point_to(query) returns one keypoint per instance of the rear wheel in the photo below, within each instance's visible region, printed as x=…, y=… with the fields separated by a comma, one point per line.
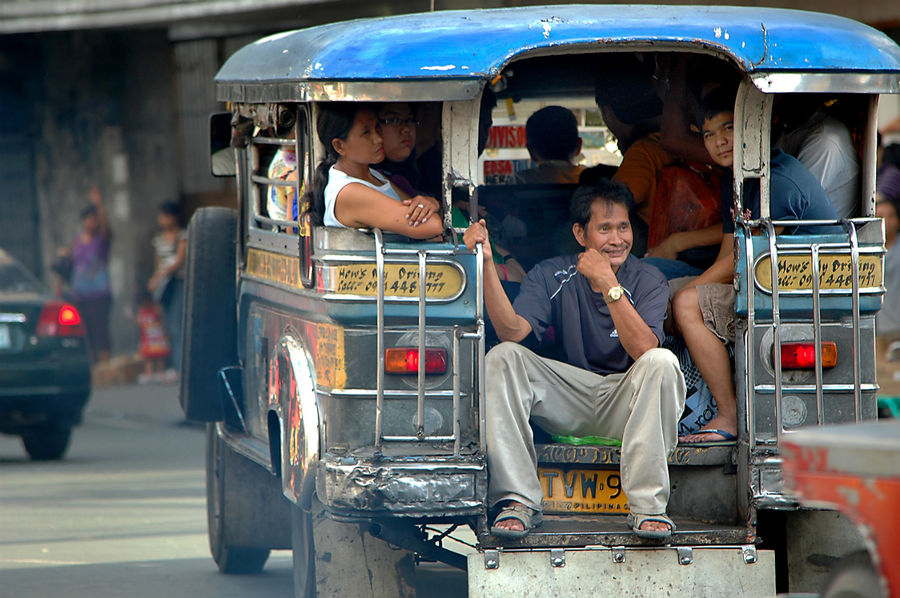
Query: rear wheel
x=854, y=577
x=47, y=443
x=228, y=557
x=304, y=549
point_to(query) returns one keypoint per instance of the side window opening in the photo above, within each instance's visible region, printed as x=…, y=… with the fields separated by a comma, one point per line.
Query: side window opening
x=279, y=157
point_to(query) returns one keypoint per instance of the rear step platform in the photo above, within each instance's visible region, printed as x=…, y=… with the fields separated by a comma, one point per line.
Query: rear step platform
x=564, y=531
x=700, y=476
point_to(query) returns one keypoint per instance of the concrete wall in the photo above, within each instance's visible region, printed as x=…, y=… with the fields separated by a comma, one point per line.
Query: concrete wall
x=99, y=108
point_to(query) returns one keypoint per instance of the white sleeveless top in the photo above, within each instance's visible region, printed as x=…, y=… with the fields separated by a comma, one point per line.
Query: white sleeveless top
x=338, y=179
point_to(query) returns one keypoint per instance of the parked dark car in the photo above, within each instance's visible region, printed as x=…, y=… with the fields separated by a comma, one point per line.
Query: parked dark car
x=45, y=371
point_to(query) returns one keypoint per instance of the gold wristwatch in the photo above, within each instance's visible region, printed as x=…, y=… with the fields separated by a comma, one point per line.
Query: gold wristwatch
x=614, y=294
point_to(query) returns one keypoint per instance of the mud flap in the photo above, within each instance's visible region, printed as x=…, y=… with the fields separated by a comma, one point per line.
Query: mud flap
x=626, y=573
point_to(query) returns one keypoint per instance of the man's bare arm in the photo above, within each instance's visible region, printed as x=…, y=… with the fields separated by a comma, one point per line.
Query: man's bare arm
x=509, y=325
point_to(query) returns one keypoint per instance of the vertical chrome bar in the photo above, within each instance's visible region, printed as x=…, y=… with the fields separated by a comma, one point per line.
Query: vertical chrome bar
x=456, y=407
x=420, y=398
x=479, y=316
x=776, y=324
x=379, y=320
x=817, y=333
x=749, y=382
x=857, y=342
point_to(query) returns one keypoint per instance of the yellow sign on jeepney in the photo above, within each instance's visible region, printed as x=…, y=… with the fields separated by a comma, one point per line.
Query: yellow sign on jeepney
x=835, y=272
x=283, y=269
x=443, y=280
x=582, y=490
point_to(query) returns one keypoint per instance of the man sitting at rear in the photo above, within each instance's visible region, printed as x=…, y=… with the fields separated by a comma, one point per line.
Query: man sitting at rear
x=607, y=310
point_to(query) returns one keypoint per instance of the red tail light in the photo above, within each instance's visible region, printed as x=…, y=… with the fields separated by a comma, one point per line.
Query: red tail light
x=405, y=360
x=60, y=319
x=802, y=355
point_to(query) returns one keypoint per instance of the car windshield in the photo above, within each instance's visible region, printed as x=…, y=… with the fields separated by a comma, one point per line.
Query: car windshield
x=15, y=279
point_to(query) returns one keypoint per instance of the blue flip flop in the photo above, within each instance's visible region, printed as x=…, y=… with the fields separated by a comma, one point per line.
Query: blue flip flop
x=727, y=439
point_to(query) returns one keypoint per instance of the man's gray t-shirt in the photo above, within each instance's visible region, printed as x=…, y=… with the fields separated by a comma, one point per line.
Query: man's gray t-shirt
x=555, y=294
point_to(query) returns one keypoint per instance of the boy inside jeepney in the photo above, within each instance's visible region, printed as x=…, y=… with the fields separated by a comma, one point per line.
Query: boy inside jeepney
x=704, y=308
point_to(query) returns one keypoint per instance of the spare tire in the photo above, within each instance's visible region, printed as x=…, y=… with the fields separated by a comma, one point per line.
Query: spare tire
x=209, y=337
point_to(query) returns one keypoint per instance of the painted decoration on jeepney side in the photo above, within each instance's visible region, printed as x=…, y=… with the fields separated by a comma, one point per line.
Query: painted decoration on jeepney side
x=327, y=341
x=835, y=272
x=443, y=280
x=283, y=269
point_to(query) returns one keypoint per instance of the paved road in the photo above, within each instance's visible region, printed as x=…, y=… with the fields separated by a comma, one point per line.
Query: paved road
x=124, y=514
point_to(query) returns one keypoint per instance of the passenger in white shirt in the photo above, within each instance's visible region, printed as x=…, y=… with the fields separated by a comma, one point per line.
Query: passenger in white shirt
x=347, y=192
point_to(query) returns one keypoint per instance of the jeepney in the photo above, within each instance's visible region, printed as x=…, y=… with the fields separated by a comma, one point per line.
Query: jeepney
x=341, y=371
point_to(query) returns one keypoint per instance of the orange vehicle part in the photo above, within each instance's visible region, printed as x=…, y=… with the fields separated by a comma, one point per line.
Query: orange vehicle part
x=854, y=469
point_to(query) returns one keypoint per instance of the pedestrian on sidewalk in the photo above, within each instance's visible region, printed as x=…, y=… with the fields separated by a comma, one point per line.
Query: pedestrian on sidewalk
x=167, y=282
x=88, y=281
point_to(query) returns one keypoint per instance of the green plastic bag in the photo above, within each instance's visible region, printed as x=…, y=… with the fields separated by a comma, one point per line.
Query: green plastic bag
x=587, y=440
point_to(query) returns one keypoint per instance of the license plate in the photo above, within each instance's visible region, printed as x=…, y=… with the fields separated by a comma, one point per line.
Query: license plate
x=5, y=338
x=582, y=491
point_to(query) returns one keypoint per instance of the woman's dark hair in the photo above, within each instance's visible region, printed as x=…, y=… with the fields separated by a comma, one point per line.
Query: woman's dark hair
x=603, y=190
x=171, y=208
x=334, y=122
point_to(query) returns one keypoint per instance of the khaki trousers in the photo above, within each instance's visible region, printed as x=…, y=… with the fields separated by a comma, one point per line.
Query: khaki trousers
x=640, y=406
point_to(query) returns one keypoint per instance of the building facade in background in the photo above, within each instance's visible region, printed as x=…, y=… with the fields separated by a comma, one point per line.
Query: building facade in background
x=119, y=93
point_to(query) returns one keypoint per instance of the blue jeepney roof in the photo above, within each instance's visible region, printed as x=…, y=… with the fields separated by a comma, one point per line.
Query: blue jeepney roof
x=477, y=44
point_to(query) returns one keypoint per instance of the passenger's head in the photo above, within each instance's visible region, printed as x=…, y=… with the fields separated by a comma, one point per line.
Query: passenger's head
x=169, y=215
x=717, y=126
x=623, y=90
x=90, y=222
x=398, y=130
x=600, y=215
x=349, y=131
x=551, y=133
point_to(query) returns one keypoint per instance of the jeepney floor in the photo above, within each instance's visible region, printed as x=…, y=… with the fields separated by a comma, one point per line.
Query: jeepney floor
x=613, y=530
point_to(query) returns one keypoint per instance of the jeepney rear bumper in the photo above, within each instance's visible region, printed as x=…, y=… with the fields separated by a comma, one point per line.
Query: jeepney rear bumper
x=435, y=488
x=633, y=572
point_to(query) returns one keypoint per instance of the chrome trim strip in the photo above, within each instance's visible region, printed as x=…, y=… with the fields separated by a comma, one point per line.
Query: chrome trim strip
x=379, y=321
x=850, y=227
x=420, y=381
x=479, y=316
x=817, y=332
x=811, y=388
x=368, y=393
x=349, y=91
x=456, y=393
x=417, y=438
x=776, y=324
x=875, y=82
